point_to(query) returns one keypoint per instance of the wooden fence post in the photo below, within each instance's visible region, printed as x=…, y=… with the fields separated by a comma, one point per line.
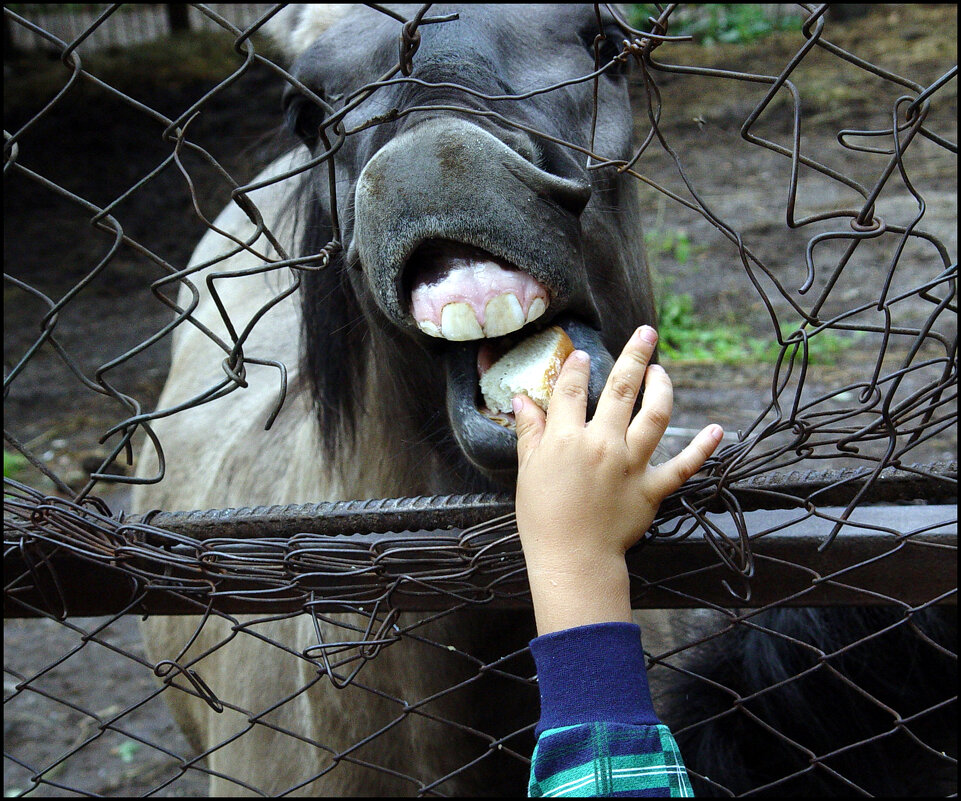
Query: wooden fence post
x=178, y=17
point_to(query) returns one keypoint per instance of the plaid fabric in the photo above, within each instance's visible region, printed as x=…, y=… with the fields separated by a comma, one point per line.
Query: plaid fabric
x=608, y=759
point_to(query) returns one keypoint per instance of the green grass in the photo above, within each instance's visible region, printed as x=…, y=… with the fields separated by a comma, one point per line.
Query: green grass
x=127, y=751
x=685, y=337
x=676, y=244
x=709, y=23
x=14, y=464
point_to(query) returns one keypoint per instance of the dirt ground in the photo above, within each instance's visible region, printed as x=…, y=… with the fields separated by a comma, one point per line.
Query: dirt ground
x=98, y=147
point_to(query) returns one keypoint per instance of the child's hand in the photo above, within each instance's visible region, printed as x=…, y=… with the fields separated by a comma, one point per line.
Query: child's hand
x=585, y=491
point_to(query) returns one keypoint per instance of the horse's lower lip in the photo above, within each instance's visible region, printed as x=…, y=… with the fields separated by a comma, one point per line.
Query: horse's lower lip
x=492, y=448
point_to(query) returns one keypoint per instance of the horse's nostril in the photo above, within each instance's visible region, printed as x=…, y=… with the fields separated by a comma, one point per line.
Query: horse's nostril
x=573, y=196
x=572, y=188
x=569, y=194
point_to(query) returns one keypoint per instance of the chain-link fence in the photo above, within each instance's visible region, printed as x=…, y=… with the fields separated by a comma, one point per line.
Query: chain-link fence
x=799, y=198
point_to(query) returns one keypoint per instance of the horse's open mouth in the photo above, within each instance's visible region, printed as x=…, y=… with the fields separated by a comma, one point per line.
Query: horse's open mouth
x=482, y=306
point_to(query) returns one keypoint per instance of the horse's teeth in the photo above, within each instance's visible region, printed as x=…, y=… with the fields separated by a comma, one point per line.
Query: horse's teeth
x=503, y=315
x=458, y=322
x=537, y=308
x=429, y=328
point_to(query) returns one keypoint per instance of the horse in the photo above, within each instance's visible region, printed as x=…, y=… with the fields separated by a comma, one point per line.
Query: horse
x=458, y=170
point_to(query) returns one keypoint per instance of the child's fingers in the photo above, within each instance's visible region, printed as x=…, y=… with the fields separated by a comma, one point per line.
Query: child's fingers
x=530, y=426
x=616, y=404
x=647, y=428
x=568, y=407
x=673, y=473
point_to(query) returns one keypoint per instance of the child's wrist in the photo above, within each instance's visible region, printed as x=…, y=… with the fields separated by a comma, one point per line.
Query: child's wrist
x=580, y=593
x=588, y=562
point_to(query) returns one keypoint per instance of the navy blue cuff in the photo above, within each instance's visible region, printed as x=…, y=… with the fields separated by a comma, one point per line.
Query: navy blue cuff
x=592, y=673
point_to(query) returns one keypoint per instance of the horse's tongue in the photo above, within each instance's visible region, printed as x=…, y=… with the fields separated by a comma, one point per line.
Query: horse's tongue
x=462, y=294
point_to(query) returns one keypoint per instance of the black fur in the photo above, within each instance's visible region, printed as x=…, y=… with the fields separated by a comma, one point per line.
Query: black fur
x=334, y=333
x=820, y=711
x=336, y=329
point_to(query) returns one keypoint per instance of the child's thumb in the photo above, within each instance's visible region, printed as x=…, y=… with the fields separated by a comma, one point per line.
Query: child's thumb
x=530, y=420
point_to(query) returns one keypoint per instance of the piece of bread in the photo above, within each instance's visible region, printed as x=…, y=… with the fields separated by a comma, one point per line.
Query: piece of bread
x=530, y=368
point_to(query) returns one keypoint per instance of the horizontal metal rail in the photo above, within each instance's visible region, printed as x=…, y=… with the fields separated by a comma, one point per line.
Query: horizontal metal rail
x=932, y=483
x=63, y=561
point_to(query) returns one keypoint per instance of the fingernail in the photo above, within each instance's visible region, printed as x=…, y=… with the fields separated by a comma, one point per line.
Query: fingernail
x=716, y=433
x=517, y=403
x=648, y=334
x=581, y=356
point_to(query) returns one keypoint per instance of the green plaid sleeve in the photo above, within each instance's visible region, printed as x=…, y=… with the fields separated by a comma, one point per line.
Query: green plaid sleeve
x=608, y=759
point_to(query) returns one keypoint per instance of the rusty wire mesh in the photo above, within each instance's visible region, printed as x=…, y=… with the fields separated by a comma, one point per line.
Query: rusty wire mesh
x=861, y=210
